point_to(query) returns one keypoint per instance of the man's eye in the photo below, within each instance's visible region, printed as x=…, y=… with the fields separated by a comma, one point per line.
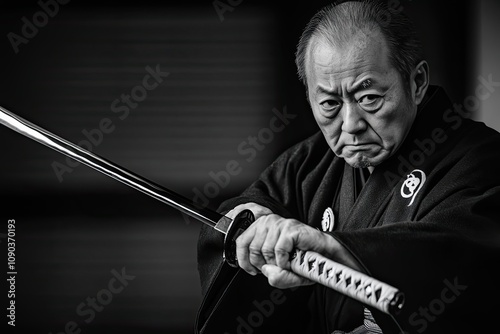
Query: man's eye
x=330, y=105
x=370, y=102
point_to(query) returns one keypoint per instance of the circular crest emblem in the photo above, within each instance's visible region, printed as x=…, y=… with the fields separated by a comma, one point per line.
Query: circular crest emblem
x=328, y=220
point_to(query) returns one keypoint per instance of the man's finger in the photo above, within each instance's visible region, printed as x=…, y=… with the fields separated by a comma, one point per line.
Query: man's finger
x=268, y=246
x=283, y=279
x=255, y=248
x=284, y=246
x=242, y=251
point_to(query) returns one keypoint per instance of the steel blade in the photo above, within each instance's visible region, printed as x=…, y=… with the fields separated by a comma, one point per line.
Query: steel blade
x=167, y=196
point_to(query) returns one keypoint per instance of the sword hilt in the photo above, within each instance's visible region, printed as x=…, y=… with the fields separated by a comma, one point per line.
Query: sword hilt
x=348, y=281
x=324, y=271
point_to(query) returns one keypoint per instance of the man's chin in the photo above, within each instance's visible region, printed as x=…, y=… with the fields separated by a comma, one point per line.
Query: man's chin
x=358, y=163
x=359, y=160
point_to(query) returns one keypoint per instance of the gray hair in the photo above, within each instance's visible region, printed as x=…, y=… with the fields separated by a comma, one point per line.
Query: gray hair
x=337, y=22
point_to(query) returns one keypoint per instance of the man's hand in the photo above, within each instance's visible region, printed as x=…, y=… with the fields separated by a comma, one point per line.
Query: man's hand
x=258, y=210
x=267, y=244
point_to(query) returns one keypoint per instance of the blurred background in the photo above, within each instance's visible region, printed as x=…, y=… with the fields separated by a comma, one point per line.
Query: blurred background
x=231, y=69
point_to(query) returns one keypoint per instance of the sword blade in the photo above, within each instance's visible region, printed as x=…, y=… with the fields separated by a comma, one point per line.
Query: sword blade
x=167, y=196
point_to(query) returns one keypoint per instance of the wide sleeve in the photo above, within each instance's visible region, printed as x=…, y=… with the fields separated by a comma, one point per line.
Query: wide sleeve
x=277, y=188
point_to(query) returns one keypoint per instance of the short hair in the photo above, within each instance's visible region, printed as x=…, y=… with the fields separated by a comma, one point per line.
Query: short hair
x=338, y=21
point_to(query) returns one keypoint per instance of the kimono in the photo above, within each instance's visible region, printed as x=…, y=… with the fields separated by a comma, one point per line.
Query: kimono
x=427, y=221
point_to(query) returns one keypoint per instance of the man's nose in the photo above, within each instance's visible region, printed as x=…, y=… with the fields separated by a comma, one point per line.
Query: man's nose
x=352, y=119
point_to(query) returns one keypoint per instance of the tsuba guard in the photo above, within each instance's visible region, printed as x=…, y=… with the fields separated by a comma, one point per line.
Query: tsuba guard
x=240, y=223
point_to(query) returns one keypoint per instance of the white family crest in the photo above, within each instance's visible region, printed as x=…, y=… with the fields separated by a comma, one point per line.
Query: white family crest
x=412, y=185
x=328, y=220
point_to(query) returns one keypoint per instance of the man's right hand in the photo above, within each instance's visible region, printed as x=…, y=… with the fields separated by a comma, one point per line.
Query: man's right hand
x=257, y=209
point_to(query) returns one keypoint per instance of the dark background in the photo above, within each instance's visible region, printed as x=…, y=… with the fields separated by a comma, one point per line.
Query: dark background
x=225, y=79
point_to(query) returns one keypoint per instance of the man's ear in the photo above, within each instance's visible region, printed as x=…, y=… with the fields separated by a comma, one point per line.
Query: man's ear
x=419, y=81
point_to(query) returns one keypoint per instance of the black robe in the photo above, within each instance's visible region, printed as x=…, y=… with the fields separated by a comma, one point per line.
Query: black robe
x=438, y=241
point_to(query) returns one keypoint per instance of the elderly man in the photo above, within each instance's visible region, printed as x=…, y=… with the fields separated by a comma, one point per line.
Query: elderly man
x=396, y=184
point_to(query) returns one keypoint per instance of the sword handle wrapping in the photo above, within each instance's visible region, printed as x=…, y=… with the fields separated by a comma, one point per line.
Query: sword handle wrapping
x=324, y=271
x=347, y=281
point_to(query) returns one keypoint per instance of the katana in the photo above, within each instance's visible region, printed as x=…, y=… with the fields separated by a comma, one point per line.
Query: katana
x=311, y=265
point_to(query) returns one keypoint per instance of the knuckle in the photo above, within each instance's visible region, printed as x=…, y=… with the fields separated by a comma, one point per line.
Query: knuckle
x=267, y=251
x=254, y=251
x=263, y=220
x=281, y=251
x=256, y=260
x=285, y=224
x=281, y=259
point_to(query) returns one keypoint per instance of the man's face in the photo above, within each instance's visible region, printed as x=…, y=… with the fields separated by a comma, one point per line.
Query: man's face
x=358, y=98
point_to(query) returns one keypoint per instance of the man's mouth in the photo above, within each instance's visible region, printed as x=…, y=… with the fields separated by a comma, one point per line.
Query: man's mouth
x=360, y=147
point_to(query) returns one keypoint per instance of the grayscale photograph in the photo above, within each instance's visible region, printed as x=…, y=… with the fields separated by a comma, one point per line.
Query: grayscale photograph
x=250, y=167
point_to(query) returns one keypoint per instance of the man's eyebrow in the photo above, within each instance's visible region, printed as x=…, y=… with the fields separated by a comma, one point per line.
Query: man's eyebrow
x=365, y=84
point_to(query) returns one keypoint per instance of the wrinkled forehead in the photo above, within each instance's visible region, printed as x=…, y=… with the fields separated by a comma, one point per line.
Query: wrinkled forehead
x=362, y=51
